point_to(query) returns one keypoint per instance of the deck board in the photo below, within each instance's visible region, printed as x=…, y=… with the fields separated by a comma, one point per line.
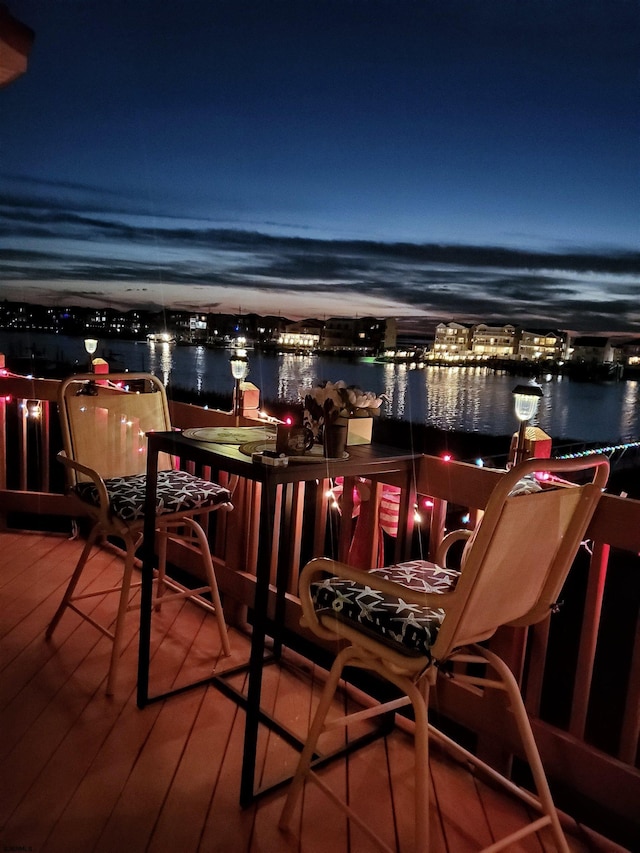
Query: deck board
x=85, y=772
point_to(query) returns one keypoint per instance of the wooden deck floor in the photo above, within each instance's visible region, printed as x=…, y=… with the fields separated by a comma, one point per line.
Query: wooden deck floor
x=82, y=772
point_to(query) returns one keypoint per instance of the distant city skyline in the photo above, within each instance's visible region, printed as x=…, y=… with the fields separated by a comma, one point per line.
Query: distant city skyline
x=83, y=320
x=469, y=160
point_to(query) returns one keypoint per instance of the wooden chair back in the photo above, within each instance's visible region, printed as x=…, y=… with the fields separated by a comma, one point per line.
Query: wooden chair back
x=516, y=564
x=104, y=422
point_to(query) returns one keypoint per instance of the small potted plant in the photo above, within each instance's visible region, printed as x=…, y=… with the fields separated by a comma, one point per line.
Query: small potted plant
x=336, y=402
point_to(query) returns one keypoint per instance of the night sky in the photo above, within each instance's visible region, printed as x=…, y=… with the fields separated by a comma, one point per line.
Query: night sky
x=444, y=159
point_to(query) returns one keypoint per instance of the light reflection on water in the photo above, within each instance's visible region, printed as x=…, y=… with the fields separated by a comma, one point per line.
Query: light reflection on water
x=472, y=399
x=161, y=361
x=295, y=372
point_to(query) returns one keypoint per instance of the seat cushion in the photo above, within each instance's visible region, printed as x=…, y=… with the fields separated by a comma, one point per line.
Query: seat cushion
x=178, y=491
x=411, y=628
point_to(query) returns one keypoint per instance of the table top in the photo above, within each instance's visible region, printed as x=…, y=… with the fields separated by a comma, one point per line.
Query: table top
x=363, y=459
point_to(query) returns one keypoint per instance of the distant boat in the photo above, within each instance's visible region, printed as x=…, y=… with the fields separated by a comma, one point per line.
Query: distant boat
x=161, y=338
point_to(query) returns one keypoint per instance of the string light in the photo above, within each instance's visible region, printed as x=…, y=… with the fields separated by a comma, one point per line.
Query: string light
x=580, y=454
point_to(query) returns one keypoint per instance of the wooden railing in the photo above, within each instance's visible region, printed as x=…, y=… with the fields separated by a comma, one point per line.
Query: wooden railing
x=580, y=671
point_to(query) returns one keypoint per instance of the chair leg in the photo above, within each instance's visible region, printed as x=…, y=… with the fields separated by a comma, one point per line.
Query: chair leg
x=213, y=583
x=523, y=723
x=123, y=604
x=419, y=698
x=75, y=577
x=304, y=762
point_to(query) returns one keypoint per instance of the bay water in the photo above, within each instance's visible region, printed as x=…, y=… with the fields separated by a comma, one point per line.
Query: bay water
x=451, y=398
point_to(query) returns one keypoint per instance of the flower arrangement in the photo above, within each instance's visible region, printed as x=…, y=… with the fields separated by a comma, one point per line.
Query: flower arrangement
x=329, y=401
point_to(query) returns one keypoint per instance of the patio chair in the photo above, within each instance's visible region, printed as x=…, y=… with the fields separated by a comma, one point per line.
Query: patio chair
x=412, y=621
x=104, y=430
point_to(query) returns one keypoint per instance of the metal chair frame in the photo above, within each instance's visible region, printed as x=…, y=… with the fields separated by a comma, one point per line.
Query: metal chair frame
x=512, y=574
x=103, y=404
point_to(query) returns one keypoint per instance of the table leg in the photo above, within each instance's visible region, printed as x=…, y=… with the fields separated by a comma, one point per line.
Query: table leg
x=146, y=592
x=256, y=658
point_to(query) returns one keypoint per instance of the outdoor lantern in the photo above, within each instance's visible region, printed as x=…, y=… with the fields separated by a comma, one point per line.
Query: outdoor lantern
x=526, y=399
x=91, y=345
x=239, y=370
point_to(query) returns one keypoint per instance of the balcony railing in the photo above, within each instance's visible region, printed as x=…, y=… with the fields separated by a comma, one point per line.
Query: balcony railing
x=580, y=671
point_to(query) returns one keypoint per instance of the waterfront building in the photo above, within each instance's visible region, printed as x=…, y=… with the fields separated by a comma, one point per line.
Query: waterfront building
x=263, y=330
x=537, y=345
x=629, y=352
x=198, y=328
x=363, y=335
x=303, y=336
x=592, y=349
x=495, y=341
x=452, y=341
x=178, y=323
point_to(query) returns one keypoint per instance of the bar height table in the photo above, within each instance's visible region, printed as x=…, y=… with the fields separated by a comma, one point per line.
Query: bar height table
x=367, y=460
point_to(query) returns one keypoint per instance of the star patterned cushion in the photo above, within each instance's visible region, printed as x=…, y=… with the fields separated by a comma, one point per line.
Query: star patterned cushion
x=178, y=491
x=410, y=627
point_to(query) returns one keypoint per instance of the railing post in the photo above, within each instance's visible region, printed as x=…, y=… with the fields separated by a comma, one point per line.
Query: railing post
x=631, y=722
x=22, y=444
x=45, y=467
x=589, y=638
x=437, y=526
x=3, y=449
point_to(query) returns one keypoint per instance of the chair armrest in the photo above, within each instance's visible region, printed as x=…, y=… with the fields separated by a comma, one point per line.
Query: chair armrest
x=93, y=475
x=449, y=540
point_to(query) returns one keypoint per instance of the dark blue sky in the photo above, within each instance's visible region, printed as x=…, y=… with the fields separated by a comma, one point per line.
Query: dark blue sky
x=444, y=158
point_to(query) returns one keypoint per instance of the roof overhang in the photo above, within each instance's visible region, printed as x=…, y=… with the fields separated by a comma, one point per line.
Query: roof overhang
x=15, y=43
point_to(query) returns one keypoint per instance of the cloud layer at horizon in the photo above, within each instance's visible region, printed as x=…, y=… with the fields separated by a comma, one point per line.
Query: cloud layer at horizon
x=54, y=255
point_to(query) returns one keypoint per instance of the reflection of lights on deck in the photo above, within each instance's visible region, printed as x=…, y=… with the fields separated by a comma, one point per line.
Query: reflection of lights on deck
x=32, y=408
x=271, y=419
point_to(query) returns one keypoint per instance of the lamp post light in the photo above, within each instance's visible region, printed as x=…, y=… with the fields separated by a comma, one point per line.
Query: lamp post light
x=91, y=345
x=526, y=399
x=239, y=370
